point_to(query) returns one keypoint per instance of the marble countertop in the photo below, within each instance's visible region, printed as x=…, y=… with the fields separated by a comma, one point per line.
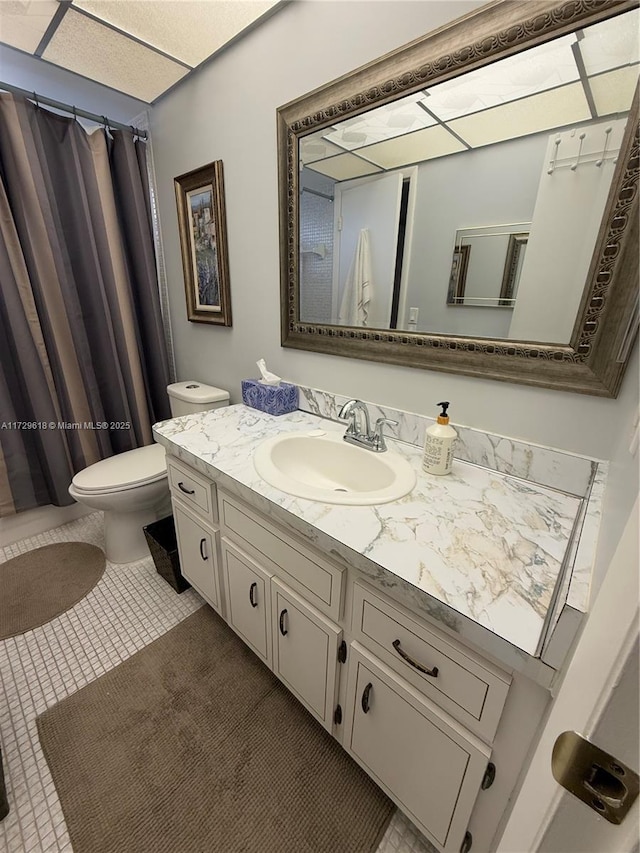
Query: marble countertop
x=477, y=543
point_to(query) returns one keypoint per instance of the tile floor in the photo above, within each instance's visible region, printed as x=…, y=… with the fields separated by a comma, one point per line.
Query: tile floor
x=130, y=607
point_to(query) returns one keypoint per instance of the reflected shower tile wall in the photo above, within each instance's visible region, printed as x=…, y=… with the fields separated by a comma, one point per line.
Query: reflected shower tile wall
x=557, y=469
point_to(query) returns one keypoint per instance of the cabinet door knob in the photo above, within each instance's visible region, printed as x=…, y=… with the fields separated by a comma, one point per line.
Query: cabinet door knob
x=365, y=697
x=184, y=489
x=203, y=542
x=252, y=591
x=283, y=630
x=414, y=663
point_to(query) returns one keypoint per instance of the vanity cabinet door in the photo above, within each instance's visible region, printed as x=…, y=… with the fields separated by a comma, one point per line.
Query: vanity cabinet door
x=198, y=547
x=431, y=767
x=305, y=652
x=248, y=597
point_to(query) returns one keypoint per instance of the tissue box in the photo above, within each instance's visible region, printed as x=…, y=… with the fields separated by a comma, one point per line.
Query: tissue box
x=272, y=399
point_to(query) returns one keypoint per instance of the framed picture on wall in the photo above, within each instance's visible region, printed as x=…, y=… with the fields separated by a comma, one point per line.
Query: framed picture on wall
x=203, y=241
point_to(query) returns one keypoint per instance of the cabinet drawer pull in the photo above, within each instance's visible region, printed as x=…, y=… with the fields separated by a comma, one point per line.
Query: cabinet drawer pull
x=184, y=489
x=432, y=672
x=365, y=697
x=203, y=542
x=252, y=590
x=283, y=630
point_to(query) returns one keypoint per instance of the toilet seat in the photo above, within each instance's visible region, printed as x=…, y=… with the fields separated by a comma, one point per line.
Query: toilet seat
x=127, y=470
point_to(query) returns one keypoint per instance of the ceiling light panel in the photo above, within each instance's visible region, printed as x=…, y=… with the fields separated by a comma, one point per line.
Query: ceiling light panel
x=188, y=30
x=611, y=43
x=385, y=122
x=315, y=147
x=546, y=111
x=83, y=45
x=541, y=68
x=344, y=166
x=23, y=23
x=413, y=148
x=613, y=92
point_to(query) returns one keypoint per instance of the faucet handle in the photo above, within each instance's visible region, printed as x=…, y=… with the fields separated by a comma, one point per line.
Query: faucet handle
x=378, y=433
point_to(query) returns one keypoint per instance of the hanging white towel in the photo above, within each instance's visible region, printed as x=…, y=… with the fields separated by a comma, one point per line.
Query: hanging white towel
x=354, y=308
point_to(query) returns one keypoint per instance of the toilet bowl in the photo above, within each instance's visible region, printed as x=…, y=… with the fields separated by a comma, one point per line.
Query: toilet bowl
x=131, y=488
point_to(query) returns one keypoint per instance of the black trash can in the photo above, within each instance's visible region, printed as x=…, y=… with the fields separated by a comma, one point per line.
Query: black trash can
x=162, y=542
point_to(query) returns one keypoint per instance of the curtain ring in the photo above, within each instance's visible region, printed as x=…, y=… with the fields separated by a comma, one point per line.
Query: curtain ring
x=75, y=116
x=35, y=98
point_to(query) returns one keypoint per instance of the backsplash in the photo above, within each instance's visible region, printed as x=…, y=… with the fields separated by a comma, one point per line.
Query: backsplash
x=543, y=465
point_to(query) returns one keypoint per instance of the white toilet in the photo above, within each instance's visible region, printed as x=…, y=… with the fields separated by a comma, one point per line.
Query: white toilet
x=131, y=488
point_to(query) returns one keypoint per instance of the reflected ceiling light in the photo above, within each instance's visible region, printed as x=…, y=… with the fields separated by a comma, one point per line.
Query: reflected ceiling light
x=345, y=166
x=545, y=111
x=612, y=43
x=414, y=147
x=385, y=122
x=544, y=67
x=613, y=92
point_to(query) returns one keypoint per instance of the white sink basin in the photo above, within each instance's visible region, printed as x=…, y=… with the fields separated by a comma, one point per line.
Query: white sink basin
x=321, y=466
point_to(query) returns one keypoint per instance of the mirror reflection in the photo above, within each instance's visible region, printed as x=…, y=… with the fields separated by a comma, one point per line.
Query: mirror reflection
x=486, y=266
x=403, y=208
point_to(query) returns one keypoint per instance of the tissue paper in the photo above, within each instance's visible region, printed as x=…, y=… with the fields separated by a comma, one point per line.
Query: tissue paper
x=268, y=378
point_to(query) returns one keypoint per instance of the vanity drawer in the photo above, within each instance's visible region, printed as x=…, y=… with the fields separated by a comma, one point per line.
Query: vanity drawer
x=318, y=580
x=193, y=488
x=471, y=689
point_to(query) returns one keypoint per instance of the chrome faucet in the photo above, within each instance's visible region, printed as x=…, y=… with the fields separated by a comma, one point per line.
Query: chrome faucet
x=359, y=430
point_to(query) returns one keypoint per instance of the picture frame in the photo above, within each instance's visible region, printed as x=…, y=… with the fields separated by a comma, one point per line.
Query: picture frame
x=203, y=244
x=458, y=276
x=513, y=267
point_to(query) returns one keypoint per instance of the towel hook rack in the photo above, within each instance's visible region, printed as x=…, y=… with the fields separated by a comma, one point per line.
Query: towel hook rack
x=607, y=137
x=577, y=163
x=552, y=163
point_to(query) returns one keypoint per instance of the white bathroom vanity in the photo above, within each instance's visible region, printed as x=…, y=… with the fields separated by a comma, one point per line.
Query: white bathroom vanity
x=424, y=633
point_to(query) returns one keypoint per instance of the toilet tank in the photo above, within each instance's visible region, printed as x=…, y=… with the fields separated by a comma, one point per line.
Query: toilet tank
x=186, y=398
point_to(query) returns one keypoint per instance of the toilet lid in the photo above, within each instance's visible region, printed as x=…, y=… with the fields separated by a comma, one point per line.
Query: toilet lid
x=124, y=470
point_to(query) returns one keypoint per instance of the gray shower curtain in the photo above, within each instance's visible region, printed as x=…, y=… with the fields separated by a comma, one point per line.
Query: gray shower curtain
x=83, y=364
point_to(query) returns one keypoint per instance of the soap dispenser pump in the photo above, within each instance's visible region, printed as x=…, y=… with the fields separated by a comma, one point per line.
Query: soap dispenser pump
x=438, y=445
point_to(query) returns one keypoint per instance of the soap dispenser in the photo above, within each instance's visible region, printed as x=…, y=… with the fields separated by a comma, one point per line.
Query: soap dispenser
x=438, y=445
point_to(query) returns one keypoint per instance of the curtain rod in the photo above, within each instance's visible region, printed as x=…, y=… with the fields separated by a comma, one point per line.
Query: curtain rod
x=76, y=111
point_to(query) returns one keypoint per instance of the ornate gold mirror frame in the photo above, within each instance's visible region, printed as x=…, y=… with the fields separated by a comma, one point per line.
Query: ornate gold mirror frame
x=596, y=357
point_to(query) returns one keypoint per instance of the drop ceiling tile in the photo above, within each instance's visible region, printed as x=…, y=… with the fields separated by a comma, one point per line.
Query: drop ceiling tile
x=23, y=23
x=344, y=166
x=413, y=148
x=545, y=111
x=613, y=92
x=82, y=45
x=189, y=30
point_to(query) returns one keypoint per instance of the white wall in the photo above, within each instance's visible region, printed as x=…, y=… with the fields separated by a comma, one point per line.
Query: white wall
x=566, y=223
x=496, y=185
x=228, y=111
x=26, y=72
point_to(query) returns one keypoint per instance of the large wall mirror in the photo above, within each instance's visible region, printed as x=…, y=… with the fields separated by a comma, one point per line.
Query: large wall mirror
x=469, y=203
